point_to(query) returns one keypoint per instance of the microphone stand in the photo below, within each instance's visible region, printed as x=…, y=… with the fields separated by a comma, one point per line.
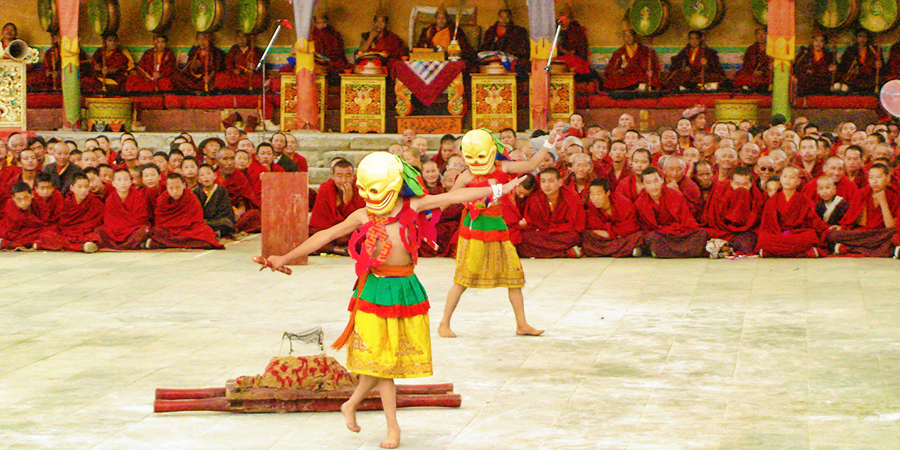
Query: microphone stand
x=553, y=47
x=262, y=63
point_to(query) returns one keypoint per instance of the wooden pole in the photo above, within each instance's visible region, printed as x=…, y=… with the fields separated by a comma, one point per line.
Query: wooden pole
x=70, y=62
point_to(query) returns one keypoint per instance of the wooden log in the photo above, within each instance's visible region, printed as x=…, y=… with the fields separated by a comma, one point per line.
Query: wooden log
x=206, y=404
x=305, y=405
x=345, y=393
x=187, y=394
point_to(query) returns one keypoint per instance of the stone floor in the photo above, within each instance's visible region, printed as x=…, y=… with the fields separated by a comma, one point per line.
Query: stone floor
x=638, y=354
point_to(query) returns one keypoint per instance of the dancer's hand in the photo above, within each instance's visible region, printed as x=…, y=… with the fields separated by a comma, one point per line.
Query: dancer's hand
x=277, y=262
x=511, y=185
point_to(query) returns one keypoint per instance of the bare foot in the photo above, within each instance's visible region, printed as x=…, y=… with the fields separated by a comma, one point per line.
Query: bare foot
x=350, y=417
x=528, y=330
x=445, y=331
x=393, y=439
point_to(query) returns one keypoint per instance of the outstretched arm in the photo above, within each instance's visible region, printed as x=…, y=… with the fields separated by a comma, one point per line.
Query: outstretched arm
x=460, y=196
x=316, y=241
x=531, y=164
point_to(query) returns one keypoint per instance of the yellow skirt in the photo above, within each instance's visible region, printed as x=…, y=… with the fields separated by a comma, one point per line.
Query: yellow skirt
x=486, y=265
x=393, y=347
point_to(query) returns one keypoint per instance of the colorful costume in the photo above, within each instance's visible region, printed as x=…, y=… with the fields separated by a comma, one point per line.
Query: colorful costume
x=389, y=334
x=485, y=257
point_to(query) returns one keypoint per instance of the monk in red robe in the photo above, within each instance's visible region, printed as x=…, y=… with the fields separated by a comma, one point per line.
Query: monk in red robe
x=514, y=208
x=205, y=61
x=620, y=166
x=21, y=225
x=126, y=218
x=806, y=161
x=506, y=37
x=381, y=43
x=675, y=171
x=240, y=66
x=581, y=176
x=8, y=173
x=573, y=44
x=612, y=227
x=82, y=214
x=329, y=43
x=49, y=77
x=179, y=219
x=815, y=67
x=733, y=213
x=859, y=64
x=110, y=67
x=670, y=230
x=833, y=168
x=869, y=225
x=243, y=198
x=695, y=67
x=631, y=187
x=155, y=70
x=632, y=66
x=756, y=70
x=790, y=226
x=555, y=220
x=442, y=32
x=48, y=199
x=337, y=199
x=264, y=162
x=853, y=166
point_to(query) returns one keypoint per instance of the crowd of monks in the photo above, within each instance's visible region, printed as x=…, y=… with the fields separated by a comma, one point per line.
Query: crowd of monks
x=725, y=190
x=633, y=66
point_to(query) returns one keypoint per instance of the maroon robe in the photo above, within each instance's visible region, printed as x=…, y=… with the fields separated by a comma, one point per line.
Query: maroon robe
x=513, y=213
x=846, y=189
x=388, y=44
x=733, y=215
x=512, y=40
x=255, y=171
x=327, y=213
x=627, y=72
x=686, y=68
x=330, y=44
x=811, y=71
x=20, y=228
x=861, y=180
x=602, y=168
x=691, y=193
x=466, y=51
x=126, y=224
x=857, y=69
x=756, y=70
x=627, y=187
x=200, y=63
x=790, y=228
x=574, y=48
x=42, y=80
x=180, y=224
x=549, y=234
x=244, y=62
x=117, y=65
x=50, y=208
x=78, y=222
x=8, y=176
x=622, y=225
x=891, y=71
x=241, y=194
x=615, y=181
x=871, y=237
x=585, y=192
x=670, y=229
x=165, y=64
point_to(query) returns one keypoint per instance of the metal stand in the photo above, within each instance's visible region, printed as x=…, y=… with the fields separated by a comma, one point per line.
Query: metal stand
x=262, y=64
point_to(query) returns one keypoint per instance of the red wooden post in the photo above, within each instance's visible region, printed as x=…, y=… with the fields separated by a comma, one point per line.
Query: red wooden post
x=285, y=213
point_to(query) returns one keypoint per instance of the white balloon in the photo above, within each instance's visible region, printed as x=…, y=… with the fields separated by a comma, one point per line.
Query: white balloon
x=890, y=97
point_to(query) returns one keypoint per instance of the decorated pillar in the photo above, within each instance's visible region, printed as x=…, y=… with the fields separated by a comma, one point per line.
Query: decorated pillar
x=542, y=26
x=305, y=66
x=69, y=59
x=780, y=46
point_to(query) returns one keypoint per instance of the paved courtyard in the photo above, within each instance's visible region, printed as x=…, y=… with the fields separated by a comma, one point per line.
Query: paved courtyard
x=638, y=353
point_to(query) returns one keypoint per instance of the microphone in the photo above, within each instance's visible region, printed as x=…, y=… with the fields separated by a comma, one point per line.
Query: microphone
x=563, y=20
x=285, y=23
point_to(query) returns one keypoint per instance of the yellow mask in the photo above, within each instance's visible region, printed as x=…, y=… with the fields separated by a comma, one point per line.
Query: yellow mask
x=479, y=151
x=379, y=181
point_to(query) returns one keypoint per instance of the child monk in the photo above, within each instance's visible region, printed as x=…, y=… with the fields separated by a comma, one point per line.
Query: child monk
x=830, y=207
x=217, y=210
x=734, y=211
x=82, y=214
x=868, y=226
x=389, y=305
x=612, y=227
x=126, y=218
x=48, y=198
x=21, y=226
x=790, y=226
x=178, y=219
x=670, y=230
x=485, y=257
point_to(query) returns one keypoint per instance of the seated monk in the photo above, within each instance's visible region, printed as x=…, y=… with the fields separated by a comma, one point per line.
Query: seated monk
x=441, y=33
x=581, y=176
x=514, y=208
x=790, y=226
x=555, y=220
x=868, y=226
x=853, y=165
x=48, y=199
x=734, y=211
x=111, y=65
x=329, y=43
x=806, y=160
x=155, y=70
x=858, y=66
x=506, y=37
x=756, y=70
x=833, y=168
x=337, y=199
x=696, y=66
x=49, y=77
x=380, y=42
x=126, y=218
x=179, y=219
x=98, y=187
x=217, y=211
x=240, y=66
x=612, y=225
x=815, y=67
x=82, y=214
x=631, y=187
x=632, y=66
x=448, y=224
x=675, y=170
x=263, y=163
x=670, y=230
x=620, y=167
x=204, y=62
x=572, y=44
x=244, y=199
x=21, y=225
